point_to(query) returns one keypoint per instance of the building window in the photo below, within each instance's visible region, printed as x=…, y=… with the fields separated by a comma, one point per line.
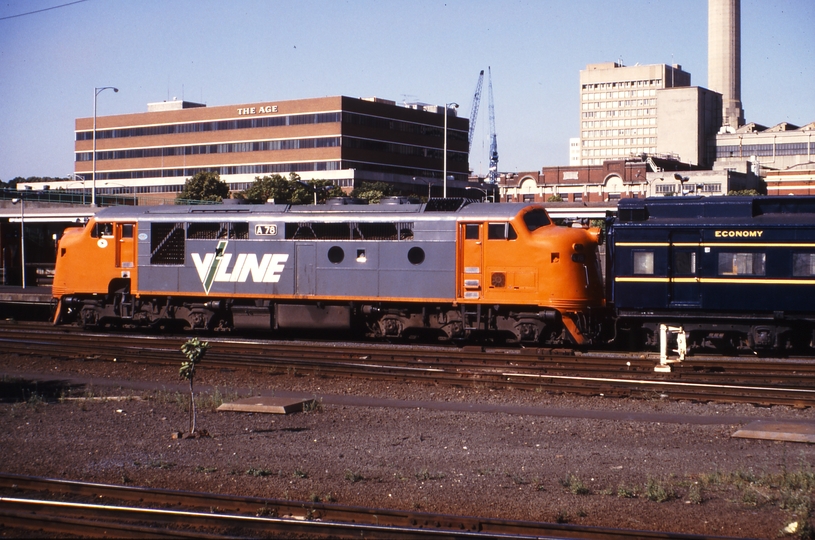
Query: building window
x=577, y=197
x=665, y=188
x=529, y=197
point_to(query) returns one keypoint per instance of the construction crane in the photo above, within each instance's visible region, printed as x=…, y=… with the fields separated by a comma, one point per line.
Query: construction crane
x=474, y=110
x=493, y=176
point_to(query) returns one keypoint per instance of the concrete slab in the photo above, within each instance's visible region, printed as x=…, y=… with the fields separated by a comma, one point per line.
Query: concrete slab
x=270, y=405
x=778, y=431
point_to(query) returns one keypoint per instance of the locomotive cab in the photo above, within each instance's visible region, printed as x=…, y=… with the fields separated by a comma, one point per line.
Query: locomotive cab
x=528, y=262
x=95, y=263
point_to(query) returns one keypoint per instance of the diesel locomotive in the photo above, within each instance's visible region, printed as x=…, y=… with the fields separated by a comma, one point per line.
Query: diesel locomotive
x=449, y=267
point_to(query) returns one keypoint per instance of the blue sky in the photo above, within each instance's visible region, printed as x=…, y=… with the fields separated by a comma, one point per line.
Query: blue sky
x=246, y=51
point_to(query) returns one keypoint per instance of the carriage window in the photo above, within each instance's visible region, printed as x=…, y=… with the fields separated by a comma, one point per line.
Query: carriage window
x=742, y=264
x=501, y=231
x=643, y=262
x=102, y=229
x=803, y=264
x=685, y=262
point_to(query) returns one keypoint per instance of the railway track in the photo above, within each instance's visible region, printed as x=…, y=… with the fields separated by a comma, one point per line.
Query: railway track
x=97, y=510
x=773, y=381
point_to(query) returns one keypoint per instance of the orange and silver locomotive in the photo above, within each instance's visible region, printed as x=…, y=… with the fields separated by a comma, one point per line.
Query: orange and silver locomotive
x=393, y=269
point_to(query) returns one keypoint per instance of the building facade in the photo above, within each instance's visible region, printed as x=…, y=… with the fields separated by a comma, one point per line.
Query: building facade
x=618, y=109
x=784, y=155
x=340, y=139
x=618, y=179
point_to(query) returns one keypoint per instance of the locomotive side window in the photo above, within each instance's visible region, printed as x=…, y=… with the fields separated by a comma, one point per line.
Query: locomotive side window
x=643, y=262
x=685, y=262
x=471, y=231
x=803, y=264
x=501, y=231
x=536, y=219
x=336, y=254
x=416, y=255
x=102, y=229
x=742, y=264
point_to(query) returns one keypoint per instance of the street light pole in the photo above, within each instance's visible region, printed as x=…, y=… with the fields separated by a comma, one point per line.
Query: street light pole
x=22, y=233
x=96, y=92
x=444, y=166
x=79, y=178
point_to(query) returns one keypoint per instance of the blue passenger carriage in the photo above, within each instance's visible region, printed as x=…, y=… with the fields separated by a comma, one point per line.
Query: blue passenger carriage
x=726, y=272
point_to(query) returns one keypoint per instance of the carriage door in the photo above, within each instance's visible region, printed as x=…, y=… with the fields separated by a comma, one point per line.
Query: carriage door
x=125, y=247
x=471, y=236
x=684, y=269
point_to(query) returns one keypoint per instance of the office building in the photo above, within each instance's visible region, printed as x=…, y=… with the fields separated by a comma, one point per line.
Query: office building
x=618, y=109
x=340, y=139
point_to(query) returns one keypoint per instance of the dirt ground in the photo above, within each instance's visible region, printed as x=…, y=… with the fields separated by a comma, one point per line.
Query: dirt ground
x=646, y=463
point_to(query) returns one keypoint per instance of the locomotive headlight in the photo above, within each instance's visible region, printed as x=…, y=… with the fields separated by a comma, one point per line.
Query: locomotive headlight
x=577, y=247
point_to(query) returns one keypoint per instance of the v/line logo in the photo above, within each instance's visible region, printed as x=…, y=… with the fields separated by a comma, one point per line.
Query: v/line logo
x=214, y=267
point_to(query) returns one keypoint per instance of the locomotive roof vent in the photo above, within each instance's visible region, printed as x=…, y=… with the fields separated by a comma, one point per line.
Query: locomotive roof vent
x=398, y=200
x=340, y=201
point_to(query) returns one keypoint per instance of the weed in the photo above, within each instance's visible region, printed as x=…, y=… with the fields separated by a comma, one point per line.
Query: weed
x=300, y=473
x=695, y=495
x=562, y=517
x=313, y=406
x=353, y=476
x=425, y=475
x=265, y=511
x=213, y=400
x=518, y=479
x=206, y=470
x=35, y=401
x=161, y=464
x=658, y=491
x=625, y=492
x=259, y=472
x=575, y=485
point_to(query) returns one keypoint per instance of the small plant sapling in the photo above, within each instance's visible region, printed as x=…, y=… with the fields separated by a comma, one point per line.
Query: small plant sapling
x=194, y=350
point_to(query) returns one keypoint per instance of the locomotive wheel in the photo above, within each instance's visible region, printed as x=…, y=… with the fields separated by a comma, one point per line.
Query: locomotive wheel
x=89, y=317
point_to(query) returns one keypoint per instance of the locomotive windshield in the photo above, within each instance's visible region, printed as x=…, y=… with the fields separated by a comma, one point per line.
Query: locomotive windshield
x=534, y=219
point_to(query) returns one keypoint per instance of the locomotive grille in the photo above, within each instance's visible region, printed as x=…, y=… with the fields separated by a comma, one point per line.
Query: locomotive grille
x=167, y=243
x=498, y=279
x=349, y=231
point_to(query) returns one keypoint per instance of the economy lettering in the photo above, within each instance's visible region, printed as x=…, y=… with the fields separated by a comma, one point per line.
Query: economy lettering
x=738, y=234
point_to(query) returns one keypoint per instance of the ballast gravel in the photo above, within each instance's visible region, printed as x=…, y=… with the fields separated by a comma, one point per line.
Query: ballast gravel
x=113, y=423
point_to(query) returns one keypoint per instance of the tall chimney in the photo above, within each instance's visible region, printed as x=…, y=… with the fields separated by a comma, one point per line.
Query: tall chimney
x=724, y=57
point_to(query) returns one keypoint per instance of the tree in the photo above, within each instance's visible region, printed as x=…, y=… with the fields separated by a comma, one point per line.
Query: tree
x=554, y=198
x=373, y=192
x=291, y=191
x=273, y=187
x=205, y=186
x=194, y=350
